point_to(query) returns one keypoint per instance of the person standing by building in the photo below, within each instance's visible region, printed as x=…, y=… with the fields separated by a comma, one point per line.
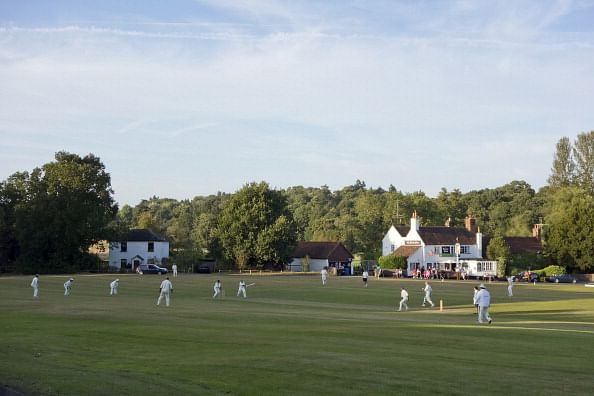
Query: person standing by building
x=68, y=286
x=403, y=299
x=365, y=277
x=35, y=285
x=483, y=299
x=113, y=286
x=165, y=290
x=241, y=289
x=217, y=289
x=174, y=269
x=324, y=274
x=428, y=290
x=510, y=286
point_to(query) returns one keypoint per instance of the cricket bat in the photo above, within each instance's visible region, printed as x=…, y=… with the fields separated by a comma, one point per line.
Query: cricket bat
x=251, y=284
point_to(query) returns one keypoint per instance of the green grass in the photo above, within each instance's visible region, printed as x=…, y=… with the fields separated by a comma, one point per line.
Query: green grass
x=292, y=337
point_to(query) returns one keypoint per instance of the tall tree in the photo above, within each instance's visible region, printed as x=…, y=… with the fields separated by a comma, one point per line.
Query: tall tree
x=67, y=206
x=583, y=153
x=563, y=169
x=256, y=227
x=570, y=219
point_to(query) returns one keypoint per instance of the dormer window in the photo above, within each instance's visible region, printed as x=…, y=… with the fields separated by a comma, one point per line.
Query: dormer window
x=151, y=246
x=123, y=247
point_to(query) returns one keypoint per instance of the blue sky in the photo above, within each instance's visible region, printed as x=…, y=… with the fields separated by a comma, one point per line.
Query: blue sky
x=187, y=98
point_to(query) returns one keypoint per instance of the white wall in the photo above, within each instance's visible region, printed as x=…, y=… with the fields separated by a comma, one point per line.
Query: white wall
x=161, y=251
x=315, y=265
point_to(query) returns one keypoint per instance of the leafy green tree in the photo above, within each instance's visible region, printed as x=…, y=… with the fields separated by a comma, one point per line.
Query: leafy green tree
x=563, y=170
x=256, y=227
x=392, y=262
x=67, y=206
x=500, y=251
x=570, y=219
x=583, y=153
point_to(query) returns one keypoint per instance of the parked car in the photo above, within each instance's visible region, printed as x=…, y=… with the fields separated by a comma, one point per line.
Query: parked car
x=150, y=269
x=526, y=276
x=566, y=278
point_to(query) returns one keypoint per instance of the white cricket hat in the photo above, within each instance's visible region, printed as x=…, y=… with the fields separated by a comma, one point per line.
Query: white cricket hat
x=482, y=286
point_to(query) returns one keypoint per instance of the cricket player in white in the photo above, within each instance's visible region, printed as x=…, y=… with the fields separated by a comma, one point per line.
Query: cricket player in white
x=114, y=287
x=68, y=286
x=174, y=268
x=483, y=299
x=365, y=277
x=241, y=289
x=428, y=290
x=217, y=289
x=35, y=285
x=404, y=299
x=166, y=290
x=324, y=274
x=510, y=286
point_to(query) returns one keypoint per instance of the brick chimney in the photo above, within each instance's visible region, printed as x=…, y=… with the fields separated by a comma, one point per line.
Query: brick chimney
x=470, y=223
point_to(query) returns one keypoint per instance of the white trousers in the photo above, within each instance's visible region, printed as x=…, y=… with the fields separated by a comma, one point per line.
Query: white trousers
x=35, y=291
x=483, y=314
x=324, y=279
x=165, y=294
x=114, y=290
x=66, y=291
x=175, y=272
x=509, y=291
x=217, y=292
x=241, y=290
x=427, y=299
x=403, y=304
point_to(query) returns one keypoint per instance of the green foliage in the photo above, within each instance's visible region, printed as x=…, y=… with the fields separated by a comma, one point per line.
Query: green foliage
x=570, y=219
x=256, y=228
x=392, y=262
x=52, y=215
x=553, y=270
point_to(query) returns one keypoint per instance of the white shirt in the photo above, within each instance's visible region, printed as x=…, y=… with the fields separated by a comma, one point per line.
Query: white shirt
x=34, y=282
x=114, y=284
x=404, y=294
x=68, y=283
x=217, y=286
x=174, y=267
x=242, y=285
x=474, y=300
x=365, y=274
x=483, y=298
x=428, y=289
x=166, y=286
x=324, y=273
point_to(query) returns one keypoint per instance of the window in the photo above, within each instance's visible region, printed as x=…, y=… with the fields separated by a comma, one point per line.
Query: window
x=123, y=263
x=391, y=248
x=445, y=250
x=124, y=247
x=464, y=249
x=484, y=266
x=151, y=246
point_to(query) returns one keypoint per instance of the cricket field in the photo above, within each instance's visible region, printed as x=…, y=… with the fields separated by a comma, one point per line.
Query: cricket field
x=292, y=336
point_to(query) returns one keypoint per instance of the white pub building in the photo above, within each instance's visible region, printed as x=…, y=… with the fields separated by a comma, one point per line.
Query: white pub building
x=443, y=249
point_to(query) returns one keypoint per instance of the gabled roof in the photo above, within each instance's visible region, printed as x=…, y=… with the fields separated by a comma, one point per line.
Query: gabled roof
x=405, y=251
x=333, y=251
x=144, y=235
x=446, y=236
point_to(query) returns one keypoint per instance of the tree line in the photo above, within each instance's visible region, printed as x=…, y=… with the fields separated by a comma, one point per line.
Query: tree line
x=50, y=216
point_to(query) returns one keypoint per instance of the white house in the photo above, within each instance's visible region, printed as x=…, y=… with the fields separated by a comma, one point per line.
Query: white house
x=141, y=246
x=448, y=249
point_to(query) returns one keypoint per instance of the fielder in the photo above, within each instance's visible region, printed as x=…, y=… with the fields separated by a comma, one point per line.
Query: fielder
x=35, y=285
x=324, y=274
x=174, y=268
x=365, y=277
x=242, y=288
x=166, y=289
x=68, y=286
x=217, y=289
x=428, y=290
x=483, y=299
x=404, y=299
x=510, y=286
x=114, y=287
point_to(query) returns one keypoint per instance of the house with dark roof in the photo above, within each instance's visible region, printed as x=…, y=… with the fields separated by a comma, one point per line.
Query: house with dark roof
x=449, y=249
x=317, y=255
x=141, y=246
